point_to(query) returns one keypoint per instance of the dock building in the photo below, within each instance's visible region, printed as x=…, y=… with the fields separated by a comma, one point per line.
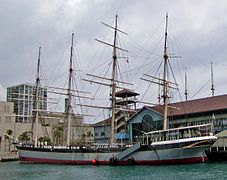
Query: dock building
x=180, y=114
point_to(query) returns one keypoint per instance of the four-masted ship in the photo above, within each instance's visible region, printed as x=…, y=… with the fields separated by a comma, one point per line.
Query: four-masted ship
x=167, y=146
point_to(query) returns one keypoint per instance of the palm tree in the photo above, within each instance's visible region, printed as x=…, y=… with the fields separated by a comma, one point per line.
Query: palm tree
x=89, y=135
x=9, y=132
x=24, y=137
x=44, y=139
x=58, y=132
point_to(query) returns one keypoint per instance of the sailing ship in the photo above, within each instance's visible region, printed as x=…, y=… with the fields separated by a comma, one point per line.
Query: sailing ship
x=167, y=146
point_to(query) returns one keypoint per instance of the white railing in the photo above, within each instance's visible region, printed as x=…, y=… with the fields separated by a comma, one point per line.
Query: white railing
x=177, y=133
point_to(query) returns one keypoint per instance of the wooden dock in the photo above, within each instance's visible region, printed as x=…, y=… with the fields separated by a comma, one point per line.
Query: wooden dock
x=218, y=152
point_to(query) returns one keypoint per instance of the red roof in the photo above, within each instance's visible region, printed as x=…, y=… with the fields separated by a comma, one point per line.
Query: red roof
x=186, y=107
x=195, y=106
x=102, y=123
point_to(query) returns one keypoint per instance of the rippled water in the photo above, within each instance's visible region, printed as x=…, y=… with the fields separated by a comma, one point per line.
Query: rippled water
x=16, y=170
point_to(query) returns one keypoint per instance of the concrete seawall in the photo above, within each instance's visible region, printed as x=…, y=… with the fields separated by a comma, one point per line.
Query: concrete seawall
x=9, y=156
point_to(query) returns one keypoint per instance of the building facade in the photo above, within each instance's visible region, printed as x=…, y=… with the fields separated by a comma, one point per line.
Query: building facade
x=23, y=98
x=184, y=113
x=102, y=131
x=51, y=125
x=180, y=114
x=7, y=121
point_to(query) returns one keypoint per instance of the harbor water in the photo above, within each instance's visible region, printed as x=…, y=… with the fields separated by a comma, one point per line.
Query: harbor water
x=17, y=170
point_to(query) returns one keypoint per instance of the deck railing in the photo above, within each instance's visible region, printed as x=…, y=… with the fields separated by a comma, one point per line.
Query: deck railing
x=177, y=133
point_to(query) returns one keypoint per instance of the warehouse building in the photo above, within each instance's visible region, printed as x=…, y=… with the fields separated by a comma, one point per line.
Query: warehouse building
x=184, y=113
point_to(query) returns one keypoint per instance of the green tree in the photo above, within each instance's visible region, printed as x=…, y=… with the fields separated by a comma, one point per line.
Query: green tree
x=89, y=135
x=24, y=137
x=44, y=139
x=82, y=139
x=58, y=135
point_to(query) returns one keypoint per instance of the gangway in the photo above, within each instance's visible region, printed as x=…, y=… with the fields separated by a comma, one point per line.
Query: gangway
x=128, y=151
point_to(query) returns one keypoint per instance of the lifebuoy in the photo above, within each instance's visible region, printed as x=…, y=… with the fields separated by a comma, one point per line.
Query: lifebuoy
x=95, y=162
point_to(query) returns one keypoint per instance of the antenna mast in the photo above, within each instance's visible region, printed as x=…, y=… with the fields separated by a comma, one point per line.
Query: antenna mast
x=69, y=108
x=165, y=82
x=186, y=86
x=37, y=87
x=212, y=79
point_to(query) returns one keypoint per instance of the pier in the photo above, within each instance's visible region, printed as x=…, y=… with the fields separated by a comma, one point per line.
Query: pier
x=8, y=156
x=218, y=152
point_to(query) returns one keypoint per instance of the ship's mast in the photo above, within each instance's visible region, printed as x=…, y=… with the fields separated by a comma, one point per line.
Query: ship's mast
x=37, y=88
x=113, y=99
x=113, y=78
x=159, y=89
x=186, y=84
x=69, y=108
x=212, y=79
x=165, y=82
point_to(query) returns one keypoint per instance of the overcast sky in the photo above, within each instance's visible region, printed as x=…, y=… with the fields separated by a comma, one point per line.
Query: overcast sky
x=198, y=30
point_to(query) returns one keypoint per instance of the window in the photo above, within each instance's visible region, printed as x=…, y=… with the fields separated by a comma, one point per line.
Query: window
x=102, y=133
x=148, y=123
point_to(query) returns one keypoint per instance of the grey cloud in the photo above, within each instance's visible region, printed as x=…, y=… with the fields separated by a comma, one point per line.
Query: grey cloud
x=199, y=29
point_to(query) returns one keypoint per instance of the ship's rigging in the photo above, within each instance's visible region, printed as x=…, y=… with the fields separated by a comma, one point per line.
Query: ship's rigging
x=167, y=146
x=113, y=81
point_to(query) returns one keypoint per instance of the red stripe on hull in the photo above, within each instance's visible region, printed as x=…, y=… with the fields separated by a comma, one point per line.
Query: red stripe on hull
x=52, y=161
x=174, y=161
x=122, y=162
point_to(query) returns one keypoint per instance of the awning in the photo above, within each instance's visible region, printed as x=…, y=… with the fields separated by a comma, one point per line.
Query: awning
x=121, y=136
